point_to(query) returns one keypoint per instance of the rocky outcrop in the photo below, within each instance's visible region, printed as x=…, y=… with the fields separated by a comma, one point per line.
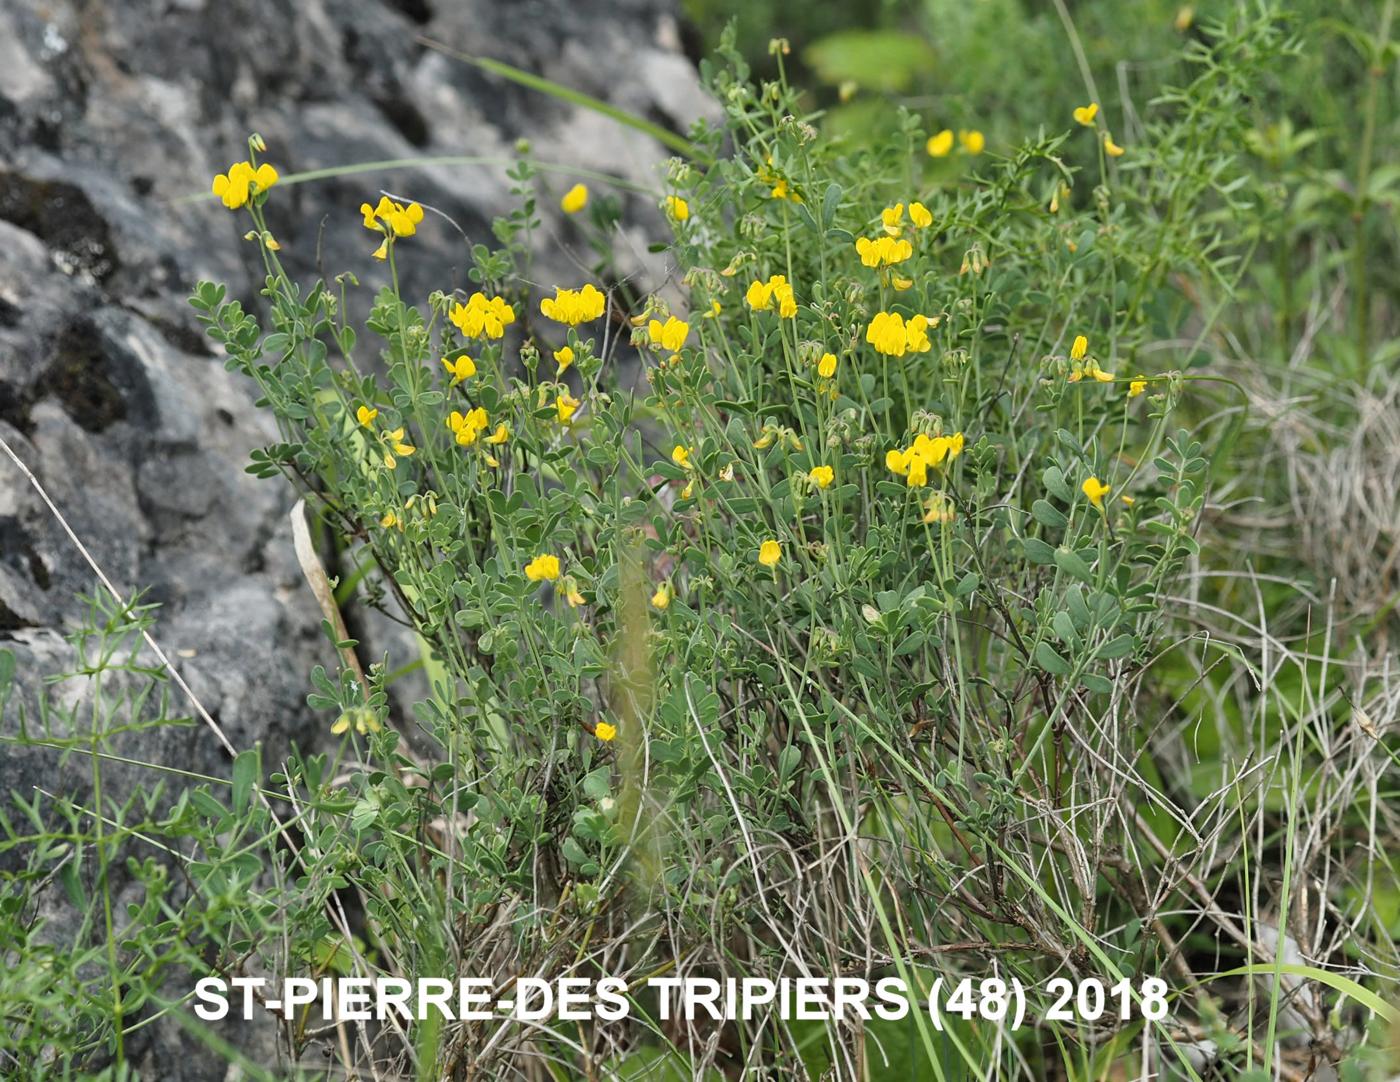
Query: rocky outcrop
x=112, y=116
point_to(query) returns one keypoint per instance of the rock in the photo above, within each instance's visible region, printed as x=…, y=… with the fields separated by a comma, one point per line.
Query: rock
x=113, y=119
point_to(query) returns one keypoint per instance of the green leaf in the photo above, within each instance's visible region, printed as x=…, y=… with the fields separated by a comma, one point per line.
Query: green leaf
x=1048, y=514
x=246, y=769
x=1071, y=563
x=1118, y=647
x=1051, y=661
x=1037, y=551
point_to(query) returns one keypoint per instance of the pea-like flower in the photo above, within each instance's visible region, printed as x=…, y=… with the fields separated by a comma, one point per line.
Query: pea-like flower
x=913, y=462
x=575, y=199
x=366, y=415
x=662, y=598
x=677, y=209
x=893, y=336
x=1137, y=386
x=242, y=182
x=973, y=141
x=770, y=553
x=669, y=335
x=938, y=508
x=1112, y=148
x=680, y=455
x=940, y=145
x=826, y=365
x=1095, y=490
x=565, y=406
x=391, y=219
x=395, y=444
x=482, y=315
x=460, y=368
x=574, y=306
x=543, y=568
x=563, y=358
x=762, y=296
x=883, y=251
x=821, y=476
x=1085, y=114
x=467, y=427
x=605, y=731
x=361, y=717
x=891, y=217
x=571, y=593
x=1079, y=348
x=920, y=215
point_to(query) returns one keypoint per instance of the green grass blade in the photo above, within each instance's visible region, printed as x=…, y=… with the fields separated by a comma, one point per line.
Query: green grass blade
x=576, y=97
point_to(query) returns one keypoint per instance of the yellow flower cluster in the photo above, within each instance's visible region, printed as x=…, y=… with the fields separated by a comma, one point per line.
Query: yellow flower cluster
x=242, y=182
x=543, y=568
x=466, y=427
x=574, y=306
x=913, y=462
x=883, y=251
x=764, y=295
x=669, y=335
x=894, y=336
x=392, y=220
x=482, y=315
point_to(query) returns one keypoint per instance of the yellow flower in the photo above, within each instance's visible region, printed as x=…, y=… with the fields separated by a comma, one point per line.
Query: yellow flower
x=563, y=357
x=891, y=217
x=1093, y=369
x=389, y=520
x=365, y=415
x=662, y=597
x=901, y=284
x=826, y=366
x=467, y=427
x=689, y=489
x=974, y=142
x=605, y=731
x=886, y=334
x=883, y=251
x=1113, y=149
x=1127, y=500
x=1079, y=348
x=669, y=335
x=940, y=144
x=770, y=553
x=897, y=461
x=913, y=462
x=916, y=333
x=938, y=508
x=1136, y=387
x=574, y=306
x=891, y=335
x=575, y=199
x=761, y=295
x=565, y=405
x=677, y=208
x=392, y=219
x=680, y=455
x=821, y=476
x=363, y=719
x=715, y=310
x=462, y=368
x=396, y=441
x=482, y=315
x=543, y=568
x=571, y=594
x=1096, y=490
x=500, y=435
x=1085, y=114
x=242, y=182
x=920, y=215
x=766, y=438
